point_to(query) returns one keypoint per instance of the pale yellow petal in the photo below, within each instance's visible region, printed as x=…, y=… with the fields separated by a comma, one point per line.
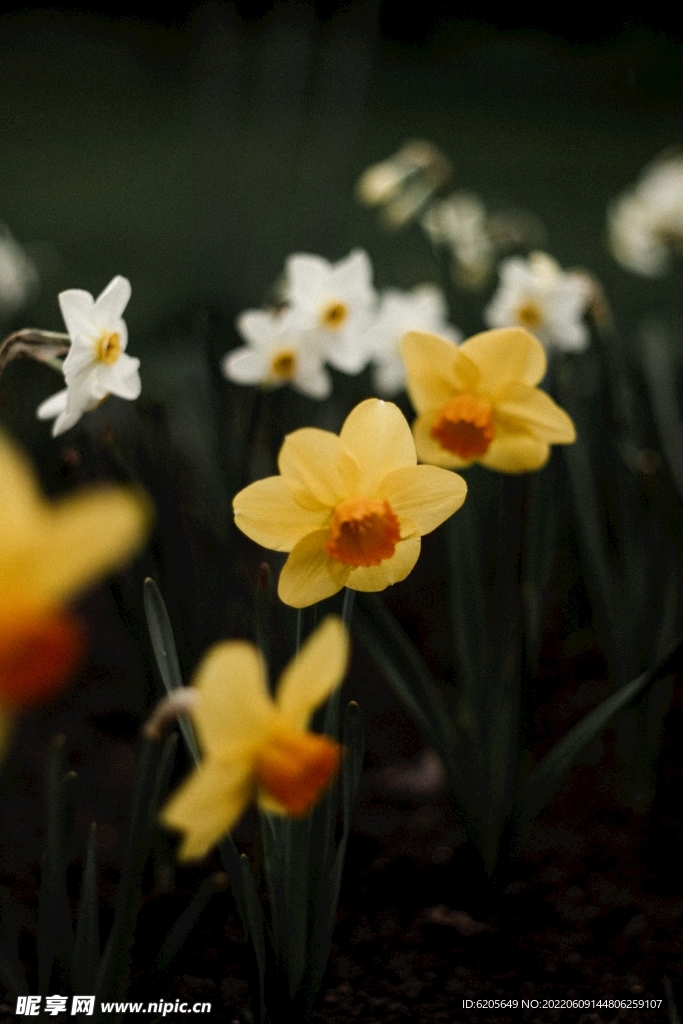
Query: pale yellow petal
x=310, y=679
x=233, y=706
x=427, y=495
x=309, y=575
x=436, y=370
x=505, y=355
x=75, y=541
x=208, y=804
x=428, y=448
x=515, y=453
x=391, y=570
x=317, y=468
x=268, y=514
x=536, y=412
x=379, y=438
x=20, y=501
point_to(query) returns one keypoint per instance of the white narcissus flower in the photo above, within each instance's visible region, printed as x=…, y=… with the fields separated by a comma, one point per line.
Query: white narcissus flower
x=422, y=309
x=337, y=300
x=279, y=351
x=96, y=364
x=541, y=297
x=646, y=224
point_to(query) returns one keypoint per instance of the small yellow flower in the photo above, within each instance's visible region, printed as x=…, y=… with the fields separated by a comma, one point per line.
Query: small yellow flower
x=478, y=402
x=256, y=747
x=49, y=551
x=350, y=509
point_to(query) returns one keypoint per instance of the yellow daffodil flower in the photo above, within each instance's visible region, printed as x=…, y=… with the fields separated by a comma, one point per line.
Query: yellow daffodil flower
x=350, y=509
x=49, y=551
x=256, y=747
x=478, y=402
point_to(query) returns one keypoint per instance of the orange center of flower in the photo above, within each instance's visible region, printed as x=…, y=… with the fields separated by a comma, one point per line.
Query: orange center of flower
x=465, y=426
x=295, y=767
x=108, y=347
x=362, y=532
x=334, y=315
x=37, y=653
x=283, y=364
x=530, y=315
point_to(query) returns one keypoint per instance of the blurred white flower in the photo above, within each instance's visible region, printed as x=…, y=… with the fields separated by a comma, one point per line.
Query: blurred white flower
x=422, y=309
x=18, y=275
x=537, y=294
x=279, y=350
x=96, y=364
x=646, y=224
x=335, y=299
x=404, y=183
x=460, y=223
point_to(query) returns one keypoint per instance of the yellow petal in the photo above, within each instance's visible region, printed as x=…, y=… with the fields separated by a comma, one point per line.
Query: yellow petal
x=20, y=501
x=536, y=412
x=428, y=448
x=208, y=804
x=310, y=575
x=505, y=355
x=75, y=541
x=317, y=468
x=310, y=679
x=424, y=494
x=436, y=369
x=391, y=570
x=379, y=438
x=269, y=515
x=515, y=453
x=233, y=708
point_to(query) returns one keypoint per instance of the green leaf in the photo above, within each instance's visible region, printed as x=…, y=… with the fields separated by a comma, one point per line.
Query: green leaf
x=404, y=669
x=113, y=975
x=550, y=772
x=11, y=968
x=332, y=862
x=55, y=934
x=163, y=642
x=254, y=913
x=659, y=366
x=181, y=929
x=87, y=945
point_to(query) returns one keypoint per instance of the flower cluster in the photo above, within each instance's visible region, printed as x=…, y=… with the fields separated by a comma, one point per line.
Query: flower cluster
x=538, y=295
x=97, y=364
x=332, y=316
x=645, y=224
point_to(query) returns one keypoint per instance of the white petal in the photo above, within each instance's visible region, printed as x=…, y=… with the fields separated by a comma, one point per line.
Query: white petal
x=111, y=303
x=66, y=421
x=52, y=406
x=77, y=309
x=245, y=366
x=308, y=279
x=122, y=378
x=315, y=383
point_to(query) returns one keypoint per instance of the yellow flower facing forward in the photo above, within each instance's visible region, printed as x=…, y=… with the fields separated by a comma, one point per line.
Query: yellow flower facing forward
x=478, y=402
x=49, y=551
x=256, y=747
x=350, y=509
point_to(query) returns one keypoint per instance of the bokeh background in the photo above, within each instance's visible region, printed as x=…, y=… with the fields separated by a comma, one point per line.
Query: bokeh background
x=193, y=155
